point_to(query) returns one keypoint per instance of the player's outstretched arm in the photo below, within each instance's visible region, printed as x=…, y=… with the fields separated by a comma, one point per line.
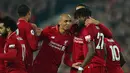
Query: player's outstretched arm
x=10, y=55
x=122, y=60
x=103, y=28
x=105, y=31
x=89, y=56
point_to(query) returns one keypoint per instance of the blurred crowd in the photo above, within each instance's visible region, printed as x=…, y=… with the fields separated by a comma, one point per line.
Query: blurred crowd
x=113, y=13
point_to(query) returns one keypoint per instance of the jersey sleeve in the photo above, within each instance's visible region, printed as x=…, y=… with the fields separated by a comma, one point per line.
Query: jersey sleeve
x=44, y=33
x=31, y=38
x=90, y=33
x=10, y=50
x=10, y=55
x=107, y=33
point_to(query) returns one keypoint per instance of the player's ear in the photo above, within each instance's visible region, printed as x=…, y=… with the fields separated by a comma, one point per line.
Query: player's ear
x=28, y=14
x=59, y=22
x=8, y=29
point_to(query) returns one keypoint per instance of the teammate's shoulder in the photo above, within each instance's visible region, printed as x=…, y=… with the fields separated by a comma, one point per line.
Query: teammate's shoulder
x=50, y=27
x=22, y=22
x=24, y=25
x=53, y=26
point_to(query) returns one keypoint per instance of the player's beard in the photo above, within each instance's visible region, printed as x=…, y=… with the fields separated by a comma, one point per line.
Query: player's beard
x=5, y=33
x=29, y=20
x=81, y=25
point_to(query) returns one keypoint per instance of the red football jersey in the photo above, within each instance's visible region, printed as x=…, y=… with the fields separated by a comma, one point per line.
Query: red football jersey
x=15, y=42
x=78, y=51
x=77, y=54
x=80, y=48
x=25, y=30
x=113, y=54
x=77, y=48
x=93, y=33
x=2, y=43
x=54, y=46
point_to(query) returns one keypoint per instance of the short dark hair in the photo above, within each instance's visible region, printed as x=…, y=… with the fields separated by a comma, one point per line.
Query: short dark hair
x=84, y=5
x=84, y=12
x=23, y=10
x=10, y=23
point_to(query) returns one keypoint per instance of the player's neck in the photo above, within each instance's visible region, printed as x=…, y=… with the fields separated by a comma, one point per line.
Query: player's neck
x=23, y=18
x=9, y=34
x=62, y=31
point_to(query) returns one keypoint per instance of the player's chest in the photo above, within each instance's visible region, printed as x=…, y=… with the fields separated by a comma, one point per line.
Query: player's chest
x=79, y=38
x=9, y=44
x=59, y=42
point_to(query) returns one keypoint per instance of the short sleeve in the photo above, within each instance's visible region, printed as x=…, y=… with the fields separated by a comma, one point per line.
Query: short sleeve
x=90, y=33
x=31, y=37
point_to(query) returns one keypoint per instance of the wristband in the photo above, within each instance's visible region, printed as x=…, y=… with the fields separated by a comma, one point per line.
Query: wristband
x=80, y=68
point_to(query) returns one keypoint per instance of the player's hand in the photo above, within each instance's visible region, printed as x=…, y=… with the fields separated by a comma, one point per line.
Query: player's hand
x=91, y=20
x=38, y=31
x=79, y=71
x=76, y=65
x=34, y=26
x=95, y=21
